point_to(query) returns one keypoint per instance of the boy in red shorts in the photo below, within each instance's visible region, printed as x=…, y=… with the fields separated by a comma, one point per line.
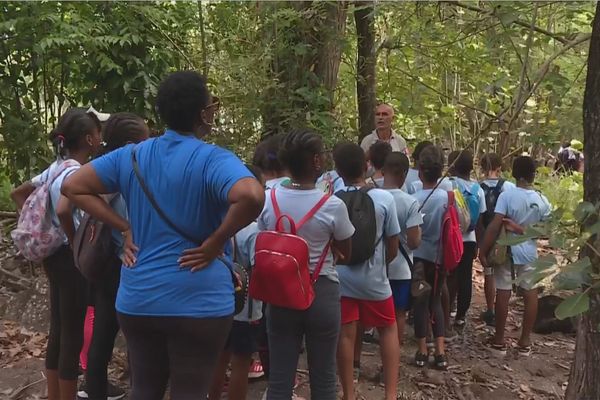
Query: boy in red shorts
x=364, y=286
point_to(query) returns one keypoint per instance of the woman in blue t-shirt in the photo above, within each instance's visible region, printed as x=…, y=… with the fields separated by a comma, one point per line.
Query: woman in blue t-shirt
x=175, y=300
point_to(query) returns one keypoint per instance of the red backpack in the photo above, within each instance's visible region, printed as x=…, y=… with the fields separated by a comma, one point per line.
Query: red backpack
x=451, y=239
x=281, y=274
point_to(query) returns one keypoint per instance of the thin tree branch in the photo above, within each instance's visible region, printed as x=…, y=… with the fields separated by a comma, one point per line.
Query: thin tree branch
x=525, y=64
x=469, y=106
x=543, y=70
x=516, y=22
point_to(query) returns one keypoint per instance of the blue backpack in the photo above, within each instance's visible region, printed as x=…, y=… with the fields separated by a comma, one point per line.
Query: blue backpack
x=471, y=197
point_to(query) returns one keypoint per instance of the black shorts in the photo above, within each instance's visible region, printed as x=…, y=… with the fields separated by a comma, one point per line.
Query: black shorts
x=243, y=338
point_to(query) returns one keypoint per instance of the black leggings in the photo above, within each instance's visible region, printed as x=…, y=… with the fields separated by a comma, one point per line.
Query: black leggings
x=460, y=282
x=106, y=327
x=426, y=306
x=68, y=295
x=184, y=350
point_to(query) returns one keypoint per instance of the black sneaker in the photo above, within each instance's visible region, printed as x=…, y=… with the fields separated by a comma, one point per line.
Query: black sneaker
x=112, y=392
x=421, y=359
x=369, y=337
x=441, y=362
x=488, y=317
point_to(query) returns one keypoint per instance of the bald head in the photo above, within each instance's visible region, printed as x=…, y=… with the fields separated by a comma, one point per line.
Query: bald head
x=384, y=115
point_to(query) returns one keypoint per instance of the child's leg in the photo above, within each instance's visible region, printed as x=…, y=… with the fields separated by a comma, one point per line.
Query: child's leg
x=345, y=358
x=88, y=331
x=503, y=280
x=360, y=331
x=421, y=313
x=489, y=286
x=400, y=325
x=238, y=381
x=401, y=295
x=464, y=282
x=218, y=381
x=445, y=302
x=323, y=326
x=438, y=321
x=390, y=354
x=531, y=305
x=502, y=299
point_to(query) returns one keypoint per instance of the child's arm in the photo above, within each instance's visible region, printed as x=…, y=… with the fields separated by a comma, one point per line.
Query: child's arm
x=513, y=227
x=21, y=193
x=64, y=211
x=392, y=244
x=491, y=234
x=413, y=237
x=342, y=249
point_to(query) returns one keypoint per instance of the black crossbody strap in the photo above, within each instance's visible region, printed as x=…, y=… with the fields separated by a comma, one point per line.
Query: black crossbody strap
x=405, y=255
x=160, y=212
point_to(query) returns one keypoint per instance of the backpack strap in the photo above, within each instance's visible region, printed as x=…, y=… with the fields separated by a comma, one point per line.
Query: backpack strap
x=171, y=224
x=405, y=255
x=280, y=217
x=311, y=213
x=66, y=164
x=451, y=199
x=315, y=275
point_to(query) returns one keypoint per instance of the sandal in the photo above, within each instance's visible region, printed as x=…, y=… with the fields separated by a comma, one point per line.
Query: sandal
x=524, y=351
x=421, y=359
x=441, y=361
x=498, y=350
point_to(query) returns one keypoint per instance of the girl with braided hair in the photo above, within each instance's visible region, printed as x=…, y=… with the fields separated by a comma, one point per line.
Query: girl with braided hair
x=76, y=138
x=303, y=155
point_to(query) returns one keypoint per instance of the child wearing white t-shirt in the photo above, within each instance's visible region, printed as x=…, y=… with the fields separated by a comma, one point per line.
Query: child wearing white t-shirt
x=525, y=206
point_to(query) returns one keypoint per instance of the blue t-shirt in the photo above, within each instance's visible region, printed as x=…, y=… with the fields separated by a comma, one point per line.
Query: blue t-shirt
x=369, y=281
x=525, y=207
x=433, y=213
x=190, y=180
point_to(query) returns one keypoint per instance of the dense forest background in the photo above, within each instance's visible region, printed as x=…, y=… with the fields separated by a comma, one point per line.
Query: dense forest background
x=511, y=74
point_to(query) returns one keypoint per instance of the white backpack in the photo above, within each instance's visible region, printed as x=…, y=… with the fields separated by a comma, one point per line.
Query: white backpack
x=36, y=236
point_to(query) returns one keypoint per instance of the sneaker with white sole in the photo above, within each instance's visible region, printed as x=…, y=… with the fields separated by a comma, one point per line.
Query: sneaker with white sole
x=112, y=392
x=256, y=370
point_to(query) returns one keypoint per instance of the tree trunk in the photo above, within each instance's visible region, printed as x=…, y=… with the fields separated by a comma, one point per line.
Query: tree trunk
x=585, y=370
x=329, y=55
x=365, y=66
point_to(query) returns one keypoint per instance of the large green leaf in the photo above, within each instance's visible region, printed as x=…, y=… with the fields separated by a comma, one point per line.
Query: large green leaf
x=573, y=305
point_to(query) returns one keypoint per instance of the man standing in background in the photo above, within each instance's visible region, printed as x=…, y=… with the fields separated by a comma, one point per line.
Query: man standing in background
x=384, y=116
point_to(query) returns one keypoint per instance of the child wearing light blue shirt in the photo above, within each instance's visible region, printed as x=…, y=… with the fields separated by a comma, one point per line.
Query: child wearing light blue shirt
x=525, y=206
x=410, y=219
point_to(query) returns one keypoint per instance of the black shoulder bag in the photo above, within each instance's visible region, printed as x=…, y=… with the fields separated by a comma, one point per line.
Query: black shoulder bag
x=239, y=275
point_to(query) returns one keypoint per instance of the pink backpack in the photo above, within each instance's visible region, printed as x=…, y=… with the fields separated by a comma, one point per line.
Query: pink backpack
x=36, y=236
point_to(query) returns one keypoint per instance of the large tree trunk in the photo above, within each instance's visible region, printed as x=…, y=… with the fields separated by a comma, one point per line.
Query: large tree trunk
x=365, y=66
x=331, y=36
x=584, y=380
x=305, y=63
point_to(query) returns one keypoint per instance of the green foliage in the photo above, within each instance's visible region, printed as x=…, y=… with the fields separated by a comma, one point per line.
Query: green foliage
x=56, y=55
x=449, y=70
x=573, y=305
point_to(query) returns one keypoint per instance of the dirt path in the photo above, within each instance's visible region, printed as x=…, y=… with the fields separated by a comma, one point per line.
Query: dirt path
x=473, y=372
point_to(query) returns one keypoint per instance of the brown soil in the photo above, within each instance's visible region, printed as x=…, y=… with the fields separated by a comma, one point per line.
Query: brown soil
x=473, y=372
